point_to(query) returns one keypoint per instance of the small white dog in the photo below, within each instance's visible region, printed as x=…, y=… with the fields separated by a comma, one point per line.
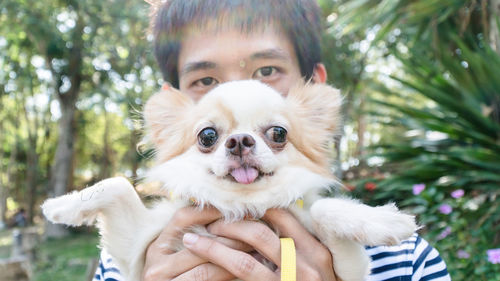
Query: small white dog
x=243, y=148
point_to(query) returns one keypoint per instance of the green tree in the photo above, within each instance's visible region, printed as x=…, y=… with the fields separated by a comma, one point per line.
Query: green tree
x=74, y=53
x=345, y=62
x=444, y=99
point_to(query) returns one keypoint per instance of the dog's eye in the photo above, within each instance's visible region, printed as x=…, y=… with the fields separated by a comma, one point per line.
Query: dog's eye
x=276, y=134
x=207, y=137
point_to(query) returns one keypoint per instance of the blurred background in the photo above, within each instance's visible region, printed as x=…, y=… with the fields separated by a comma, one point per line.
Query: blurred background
x=421, y=81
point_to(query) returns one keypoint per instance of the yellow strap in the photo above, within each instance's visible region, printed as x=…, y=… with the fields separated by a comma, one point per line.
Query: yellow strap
x=288, y=262
x=300, y=203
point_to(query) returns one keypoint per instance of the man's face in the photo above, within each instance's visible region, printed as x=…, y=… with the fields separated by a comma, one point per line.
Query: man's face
x=209, y=58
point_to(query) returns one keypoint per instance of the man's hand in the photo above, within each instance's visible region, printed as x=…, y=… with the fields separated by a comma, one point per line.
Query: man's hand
x=314, y=261
x=163, y=263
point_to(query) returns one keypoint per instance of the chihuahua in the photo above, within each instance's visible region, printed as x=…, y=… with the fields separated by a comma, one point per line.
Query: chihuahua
x=243, y=148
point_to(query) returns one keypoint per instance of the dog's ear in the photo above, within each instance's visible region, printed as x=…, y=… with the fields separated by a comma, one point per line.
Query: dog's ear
x=166, y=121
x=315, y=109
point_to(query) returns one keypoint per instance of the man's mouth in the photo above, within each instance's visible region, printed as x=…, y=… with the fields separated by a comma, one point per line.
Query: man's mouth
x=246, y=174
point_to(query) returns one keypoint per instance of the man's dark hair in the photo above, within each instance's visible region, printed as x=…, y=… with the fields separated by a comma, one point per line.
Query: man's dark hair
x=298, y=19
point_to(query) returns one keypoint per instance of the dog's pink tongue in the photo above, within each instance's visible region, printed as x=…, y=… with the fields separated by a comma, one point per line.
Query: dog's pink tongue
x=245, y=175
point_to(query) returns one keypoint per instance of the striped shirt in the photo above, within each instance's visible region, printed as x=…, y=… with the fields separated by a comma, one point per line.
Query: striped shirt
x=414, y=259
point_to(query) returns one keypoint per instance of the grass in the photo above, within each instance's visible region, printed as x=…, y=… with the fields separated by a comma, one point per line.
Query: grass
x=5, y=243
x=67, y=258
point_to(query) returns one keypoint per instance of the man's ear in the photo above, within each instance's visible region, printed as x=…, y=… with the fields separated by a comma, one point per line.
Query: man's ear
x=315, y=111
x=166, y=116
x=319, y=75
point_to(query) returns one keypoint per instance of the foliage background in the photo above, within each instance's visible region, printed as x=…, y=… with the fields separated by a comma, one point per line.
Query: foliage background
x=422, y=108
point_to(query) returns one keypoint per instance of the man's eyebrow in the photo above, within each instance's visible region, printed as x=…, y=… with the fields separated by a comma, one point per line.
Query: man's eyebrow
x=197, y=65
x=271, y=54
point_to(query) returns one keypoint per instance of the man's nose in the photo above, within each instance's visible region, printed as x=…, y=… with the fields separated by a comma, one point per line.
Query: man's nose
x=237, y=74
x=240, y=144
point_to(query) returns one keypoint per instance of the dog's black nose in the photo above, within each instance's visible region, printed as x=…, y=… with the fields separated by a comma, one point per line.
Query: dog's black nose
x=240, y=144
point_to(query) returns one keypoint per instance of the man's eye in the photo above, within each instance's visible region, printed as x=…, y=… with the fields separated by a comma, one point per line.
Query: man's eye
x=205, y=82
x=265, y=71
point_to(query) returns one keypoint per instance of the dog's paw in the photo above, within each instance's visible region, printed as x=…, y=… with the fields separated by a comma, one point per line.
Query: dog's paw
x=391, y=227
x=82, y=207
x=65, y=209
x=349, y=219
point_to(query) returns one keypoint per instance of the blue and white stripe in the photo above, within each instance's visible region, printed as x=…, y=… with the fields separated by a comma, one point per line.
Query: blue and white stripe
x=412, y=260
x=107, y=270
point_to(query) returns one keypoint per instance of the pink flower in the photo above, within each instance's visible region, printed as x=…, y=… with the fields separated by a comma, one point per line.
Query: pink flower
x=457, y=193
x=444, y=233
x=445, y=209
x=493, y=255
x=417, y=188
x=463, y=254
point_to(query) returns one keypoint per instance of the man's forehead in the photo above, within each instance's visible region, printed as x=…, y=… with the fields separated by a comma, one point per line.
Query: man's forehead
x=200, y=45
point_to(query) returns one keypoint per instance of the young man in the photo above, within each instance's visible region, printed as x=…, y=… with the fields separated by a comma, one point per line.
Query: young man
x=199, y=44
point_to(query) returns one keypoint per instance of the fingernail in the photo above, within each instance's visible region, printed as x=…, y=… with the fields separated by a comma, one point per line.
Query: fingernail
x=164, y=246
x=189, y=239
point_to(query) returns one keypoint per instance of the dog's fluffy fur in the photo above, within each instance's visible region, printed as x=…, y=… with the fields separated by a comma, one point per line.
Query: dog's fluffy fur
x=272, y=174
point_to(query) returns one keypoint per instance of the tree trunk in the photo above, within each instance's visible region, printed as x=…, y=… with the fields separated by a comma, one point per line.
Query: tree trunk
x=32, y=156
x=31, y=180
x=4, y=186
x=3, y=203
x=494, y=32
x=62, y=169
x=107, y=153
x=9, y=172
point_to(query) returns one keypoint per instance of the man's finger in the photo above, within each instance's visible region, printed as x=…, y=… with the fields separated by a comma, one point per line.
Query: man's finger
x=235, y=244
x=172, y=265
x=288, y=226
x=311, y=254
x=256, y=234
x=206, y=271
x=240, y=264
x=186, y=258
x=183, y=218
